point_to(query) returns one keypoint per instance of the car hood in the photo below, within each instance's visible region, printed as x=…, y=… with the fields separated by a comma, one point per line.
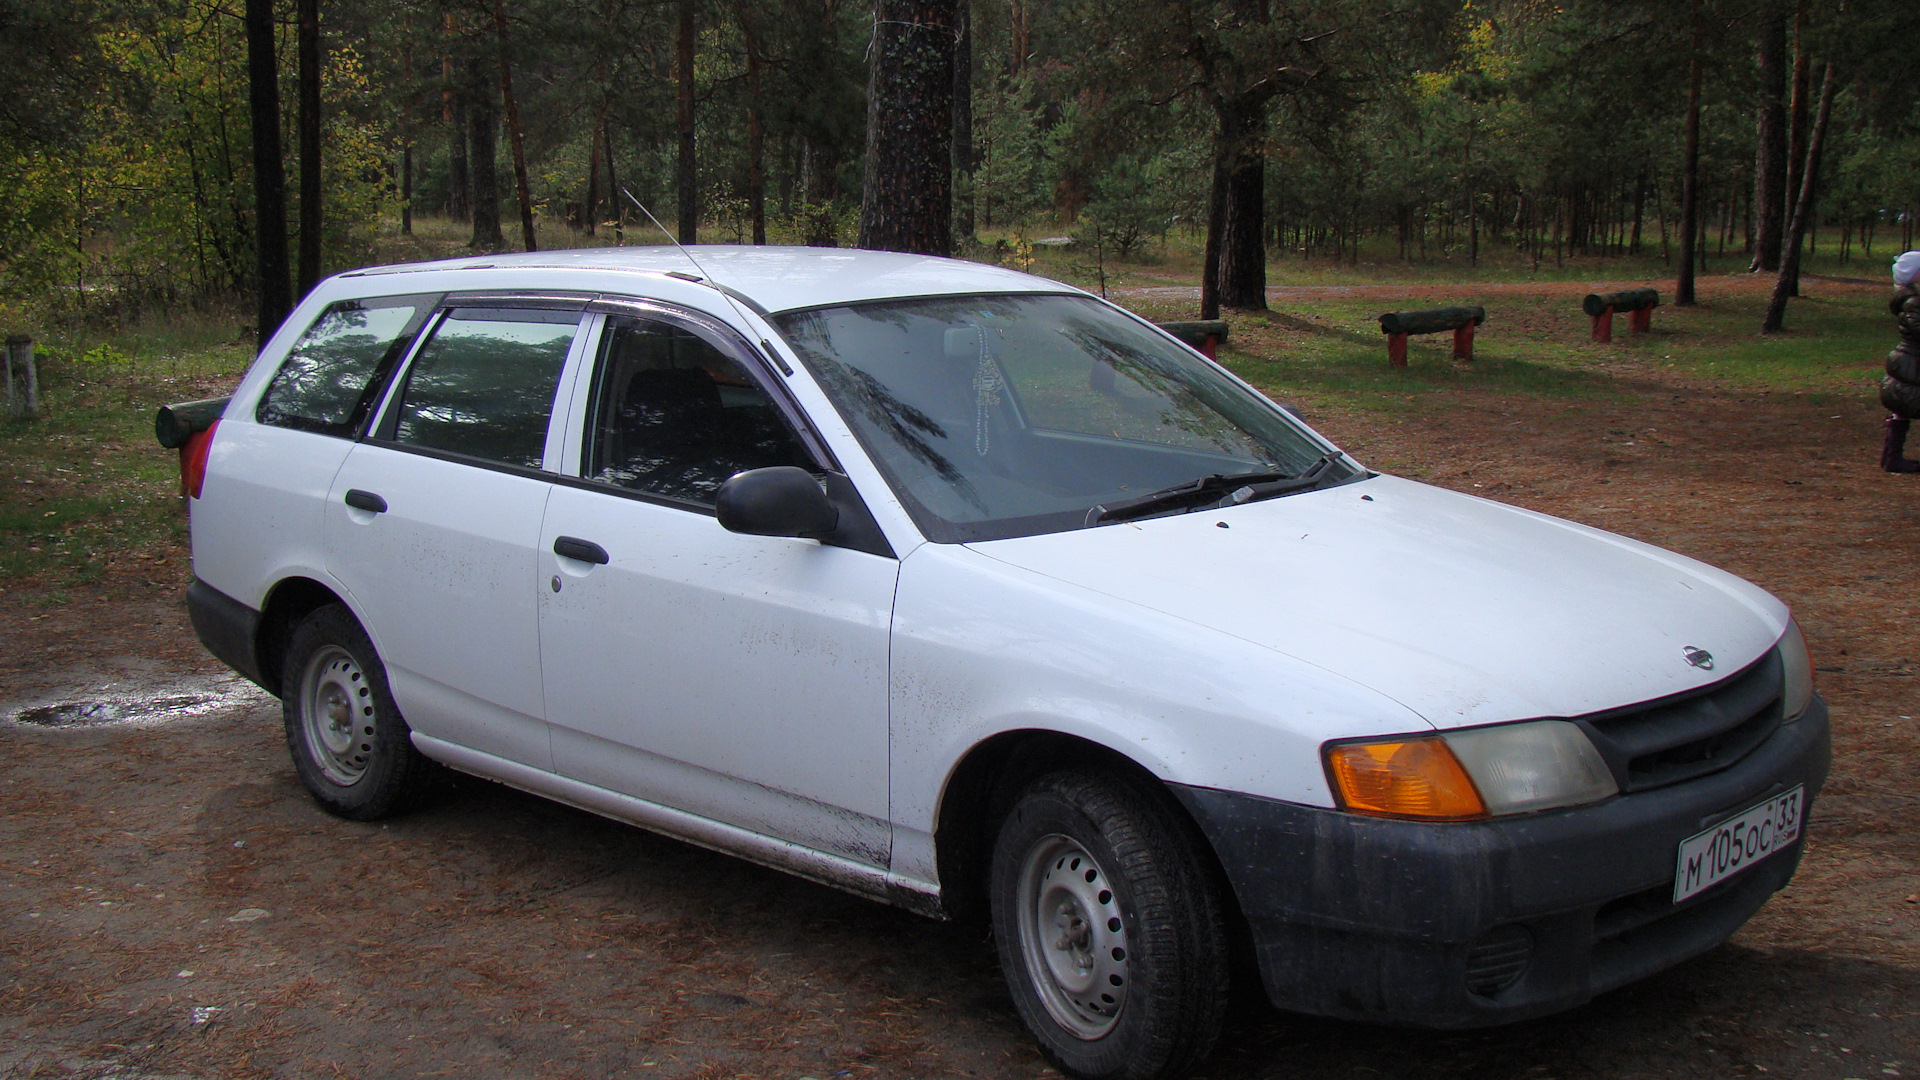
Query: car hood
x=1465, y=611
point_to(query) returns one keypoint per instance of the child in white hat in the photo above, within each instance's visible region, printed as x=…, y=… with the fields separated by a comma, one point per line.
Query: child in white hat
x=1900, y=390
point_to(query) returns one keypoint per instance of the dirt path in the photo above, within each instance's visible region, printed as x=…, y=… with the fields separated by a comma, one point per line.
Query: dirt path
x=175, y=907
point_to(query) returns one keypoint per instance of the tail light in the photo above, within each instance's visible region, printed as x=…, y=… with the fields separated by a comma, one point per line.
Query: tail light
x=193, y=460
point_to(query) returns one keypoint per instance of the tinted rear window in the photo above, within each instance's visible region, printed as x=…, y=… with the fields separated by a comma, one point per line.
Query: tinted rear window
x=330, y=380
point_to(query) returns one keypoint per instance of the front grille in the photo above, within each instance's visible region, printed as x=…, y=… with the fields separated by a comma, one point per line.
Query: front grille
x=1678, y=738
x=1498, y=959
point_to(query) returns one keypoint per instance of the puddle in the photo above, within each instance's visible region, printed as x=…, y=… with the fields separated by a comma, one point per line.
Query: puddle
x=125, y=704
x=82, y=713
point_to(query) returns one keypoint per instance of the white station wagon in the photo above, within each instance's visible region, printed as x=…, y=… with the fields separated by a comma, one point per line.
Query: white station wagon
x=965, y=591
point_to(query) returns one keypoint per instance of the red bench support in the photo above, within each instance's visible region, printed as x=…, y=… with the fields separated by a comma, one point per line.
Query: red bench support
x=1463, y=343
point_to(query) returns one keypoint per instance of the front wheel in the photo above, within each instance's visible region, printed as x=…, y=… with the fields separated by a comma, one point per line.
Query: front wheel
x=1109, y=929
x=351, y=747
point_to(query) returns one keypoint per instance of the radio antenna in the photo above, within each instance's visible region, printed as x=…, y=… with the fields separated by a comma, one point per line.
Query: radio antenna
x=708, y=279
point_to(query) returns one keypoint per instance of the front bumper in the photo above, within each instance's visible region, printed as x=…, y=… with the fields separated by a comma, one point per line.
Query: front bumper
x=1375, y=919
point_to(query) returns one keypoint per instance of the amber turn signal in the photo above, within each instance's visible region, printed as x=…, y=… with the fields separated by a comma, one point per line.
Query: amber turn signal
x=1417, y=778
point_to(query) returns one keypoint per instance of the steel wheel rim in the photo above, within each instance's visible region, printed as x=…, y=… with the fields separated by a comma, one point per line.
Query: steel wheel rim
x=336, y=715
x=1073, y=936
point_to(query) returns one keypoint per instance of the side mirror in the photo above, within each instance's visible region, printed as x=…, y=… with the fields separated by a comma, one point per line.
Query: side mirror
x=781, y=500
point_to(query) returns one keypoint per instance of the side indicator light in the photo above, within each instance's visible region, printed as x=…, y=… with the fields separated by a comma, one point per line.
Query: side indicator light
x=1414, y=778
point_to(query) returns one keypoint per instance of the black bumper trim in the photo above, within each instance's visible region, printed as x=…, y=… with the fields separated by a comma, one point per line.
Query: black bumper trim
x=228, y=628
x=1373, y=919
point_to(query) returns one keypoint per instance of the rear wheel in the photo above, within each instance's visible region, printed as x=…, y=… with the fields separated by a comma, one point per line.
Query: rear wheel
x=1109, y=929
x=351, y=747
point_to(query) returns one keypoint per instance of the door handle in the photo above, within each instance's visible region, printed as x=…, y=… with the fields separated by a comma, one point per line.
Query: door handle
x=569, y=547
x=366, y=500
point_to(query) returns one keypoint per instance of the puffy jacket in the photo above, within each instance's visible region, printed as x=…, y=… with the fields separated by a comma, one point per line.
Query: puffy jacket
x=1900, y=390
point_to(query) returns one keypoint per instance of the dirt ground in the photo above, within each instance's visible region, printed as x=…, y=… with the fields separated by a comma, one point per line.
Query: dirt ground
x=174, y=906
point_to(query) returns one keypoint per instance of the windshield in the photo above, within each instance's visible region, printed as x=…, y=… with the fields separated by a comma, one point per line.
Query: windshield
x=998, y=416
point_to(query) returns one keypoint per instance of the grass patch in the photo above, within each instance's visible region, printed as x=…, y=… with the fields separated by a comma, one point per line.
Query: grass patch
x=1330, y=352
x=87, y=486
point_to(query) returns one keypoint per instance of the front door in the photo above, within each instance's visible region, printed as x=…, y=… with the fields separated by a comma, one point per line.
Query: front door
x=739, y=678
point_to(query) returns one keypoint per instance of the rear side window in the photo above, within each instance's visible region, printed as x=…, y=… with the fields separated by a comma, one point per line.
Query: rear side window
x=483, y=384
x=332, y=377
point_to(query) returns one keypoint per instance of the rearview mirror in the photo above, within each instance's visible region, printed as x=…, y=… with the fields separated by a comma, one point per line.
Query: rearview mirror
x=781, y=500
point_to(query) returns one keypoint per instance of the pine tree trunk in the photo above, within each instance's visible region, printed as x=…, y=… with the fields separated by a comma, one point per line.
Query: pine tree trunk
x=906, y=197
x=1789, y=282
x=1236, y=234
x=453, y=111
x=514, y=138
x=963, y=123
x=483, y=133
x=1770, y=159
x=614, y=191
x=307, y=45
x=273, y=296
x=686, y=173
x=1797, y=108
x=407, y=129
x=1243, y=249
x=1018, y=37
x=1216, y=230
x=1639, y=211
x=406, y=188
x=590, y=206
x=756, y=130
x=1690, y=176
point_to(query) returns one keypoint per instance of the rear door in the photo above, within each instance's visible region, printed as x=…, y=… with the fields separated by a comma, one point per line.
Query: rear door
x=262, y=511
x=432, y=523
x=739, y=678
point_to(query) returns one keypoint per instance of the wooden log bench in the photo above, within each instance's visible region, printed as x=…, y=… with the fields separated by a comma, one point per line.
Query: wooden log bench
x=1638, y=304
x=1461, y=320
x=1205, y=335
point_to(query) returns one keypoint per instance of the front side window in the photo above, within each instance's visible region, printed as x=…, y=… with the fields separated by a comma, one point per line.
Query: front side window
x=674, y=416
x=998, y=416
x=331, y=378
x=483, y=385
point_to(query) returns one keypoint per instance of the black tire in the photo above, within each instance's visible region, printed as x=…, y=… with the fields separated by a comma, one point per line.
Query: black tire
x=1129, y=979
x=349, y=743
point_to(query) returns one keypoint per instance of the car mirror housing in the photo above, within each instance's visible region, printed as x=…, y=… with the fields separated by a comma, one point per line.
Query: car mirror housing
x=781, y=500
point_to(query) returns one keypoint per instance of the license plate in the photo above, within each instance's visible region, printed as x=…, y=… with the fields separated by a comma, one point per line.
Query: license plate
x=1736, y=843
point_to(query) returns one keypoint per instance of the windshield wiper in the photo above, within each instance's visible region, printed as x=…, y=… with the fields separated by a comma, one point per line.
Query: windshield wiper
x=1313, y=476
x=1205, y=489
x=1213, y=489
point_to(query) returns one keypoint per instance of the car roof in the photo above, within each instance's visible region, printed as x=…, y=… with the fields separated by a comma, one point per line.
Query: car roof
x=773, y=278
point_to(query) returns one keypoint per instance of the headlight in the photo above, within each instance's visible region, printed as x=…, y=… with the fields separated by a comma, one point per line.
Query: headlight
x=1796, y=681
x=1534, y=766
x=1462, y=775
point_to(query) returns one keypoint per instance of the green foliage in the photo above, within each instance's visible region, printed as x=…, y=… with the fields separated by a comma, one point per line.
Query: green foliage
x=153, y=207
x=1450, y=133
